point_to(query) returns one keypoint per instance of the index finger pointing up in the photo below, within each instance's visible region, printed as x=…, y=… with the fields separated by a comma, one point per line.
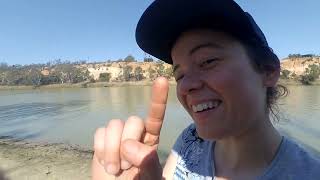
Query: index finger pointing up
x=157, y=107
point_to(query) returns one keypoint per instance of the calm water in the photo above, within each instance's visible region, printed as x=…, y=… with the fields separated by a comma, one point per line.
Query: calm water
x=72, y=115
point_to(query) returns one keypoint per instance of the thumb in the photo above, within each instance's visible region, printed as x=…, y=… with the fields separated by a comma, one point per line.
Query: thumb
x=142, y=156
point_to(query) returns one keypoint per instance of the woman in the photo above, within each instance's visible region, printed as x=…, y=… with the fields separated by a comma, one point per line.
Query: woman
x=227, y=81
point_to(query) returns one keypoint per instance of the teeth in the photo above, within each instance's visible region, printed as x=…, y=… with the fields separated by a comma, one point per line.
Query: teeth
x=210, y=104
x=194, y=108
x=215, y=104
x=204, y=106
x=199, y=107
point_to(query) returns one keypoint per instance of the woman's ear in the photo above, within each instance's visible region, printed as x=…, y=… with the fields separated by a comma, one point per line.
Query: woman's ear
x=271, y=77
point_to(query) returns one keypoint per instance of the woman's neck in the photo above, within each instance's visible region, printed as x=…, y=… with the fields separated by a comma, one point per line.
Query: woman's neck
x=249, y=154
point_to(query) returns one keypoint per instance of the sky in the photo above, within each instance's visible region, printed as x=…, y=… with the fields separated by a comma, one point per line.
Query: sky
x=38, y=31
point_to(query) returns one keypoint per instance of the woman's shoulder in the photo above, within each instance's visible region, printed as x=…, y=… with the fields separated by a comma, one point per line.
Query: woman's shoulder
x=299, y=153
x=293, y=161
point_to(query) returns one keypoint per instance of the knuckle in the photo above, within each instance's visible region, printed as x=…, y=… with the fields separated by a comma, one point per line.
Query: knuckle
x=134, y=120
x=114, y=122
x=99, y=132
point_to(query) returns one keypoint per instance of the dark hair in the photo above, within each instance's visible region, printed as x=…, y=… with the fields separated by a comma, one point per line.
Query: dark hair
x=264, y=60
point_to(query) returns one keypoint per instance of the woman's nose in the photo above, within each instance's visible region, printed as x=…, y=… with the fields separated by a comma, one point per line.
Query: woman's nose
x=190, y=83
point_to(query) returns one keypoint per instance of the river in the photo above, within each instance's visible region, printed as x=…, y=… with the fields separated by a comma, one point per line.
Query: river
x=71, y=115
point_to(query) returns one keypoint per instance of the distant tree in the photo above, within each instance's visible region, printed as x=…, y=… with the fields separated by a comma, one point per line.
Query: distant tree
x=127, y=73
x=160, y=61
x=104, y=77
x=83, y=62
x=129, y=58
x=301, y=55
x=168, y=72
x=311, y=74
x=152, y=73
x=60, y=72
x=2, y=78
x=148, y=59
x=92, y=80
x=15, y=76
x=308, y=55
x=160, y=69
x=68, y=73
x=78, y=75
x=4, y=66
x=285, y=74
x=294, y=55
x=33, y=77
x=294, y=76
x=64, y=72
x=138, y=73
x=57, y=61
x=52, y=78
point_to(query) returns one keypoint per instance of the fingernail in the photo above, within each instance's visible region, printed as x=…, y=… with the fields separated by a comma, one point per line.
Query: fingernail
x=125, y=164
x=111, y=169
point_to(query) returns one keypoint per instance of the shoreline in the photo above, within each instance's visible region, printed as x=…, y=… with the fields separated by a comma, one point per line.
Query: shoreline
x=127, y=83
x=23, y=159
x=27, y=160
x=84, y=85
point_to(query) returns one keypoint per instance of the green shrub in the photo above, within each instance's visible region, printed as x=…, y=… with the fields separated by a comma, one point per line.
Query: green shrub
x=104, y=77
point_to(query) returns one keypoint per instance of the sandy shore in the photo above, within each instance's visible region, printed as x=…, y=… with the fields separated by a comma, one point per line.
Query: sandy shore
x=84, y=85
x=119, y=84
x=25, y=160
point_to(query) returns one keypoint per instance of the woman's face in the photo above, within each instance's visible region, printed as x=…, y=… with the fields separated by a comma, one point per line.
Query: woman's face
x=217, y=85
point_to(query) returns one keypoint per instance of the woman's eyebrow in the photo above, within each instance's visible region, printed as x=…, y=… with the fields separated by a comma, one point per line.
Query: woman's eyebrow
x=205, y=45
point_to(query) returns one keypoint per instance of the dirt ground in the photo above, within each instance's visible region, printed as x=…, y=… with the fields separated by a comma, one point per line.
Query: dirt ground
x=32, y=161
x=23, y=160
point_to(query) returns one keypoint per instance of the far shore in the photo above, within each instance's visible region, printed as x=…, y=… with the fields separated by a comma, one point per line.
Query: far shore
x=119, y=84
x=84, y=85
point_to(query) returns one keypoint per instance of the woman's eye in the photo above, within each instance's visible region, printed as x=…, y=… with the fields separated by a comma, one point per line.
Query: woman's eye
x=178, y=77
x=206, y=62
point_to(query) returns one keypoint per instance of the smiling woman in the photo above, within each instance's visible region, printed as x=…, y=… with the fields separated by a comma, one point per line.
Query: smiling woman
x=227, y=78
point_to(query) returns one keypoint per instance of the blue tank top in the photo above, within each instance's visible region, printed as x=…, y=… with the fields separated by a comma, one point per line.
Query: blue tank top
x=194, y=160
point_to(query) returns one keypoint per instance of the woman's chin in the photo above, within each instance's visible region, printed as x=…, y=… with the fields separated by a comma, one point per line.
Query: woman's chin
x=208, y=133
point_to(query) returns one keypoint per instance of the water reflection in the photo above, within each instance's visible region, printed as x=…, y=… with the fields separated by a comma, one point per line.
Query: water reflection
x=301, y=109
x=31, y=120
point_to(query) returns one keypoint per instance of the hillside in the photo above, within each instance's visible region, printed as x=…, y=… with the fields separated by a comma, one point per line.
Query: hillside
x=300, y=68
x=299, y=65
x=147, y=70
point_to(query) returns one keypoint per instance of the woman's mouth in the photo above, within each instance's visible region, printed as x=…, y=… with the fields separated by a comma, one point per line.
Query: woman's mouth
x=205, y=112
x=206, y=106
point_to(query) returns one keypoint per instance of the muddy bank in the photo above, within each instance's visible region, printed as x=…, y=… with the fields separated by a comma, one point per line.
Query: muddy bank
x=20, y=160
x=84, y=85
x=26, y=160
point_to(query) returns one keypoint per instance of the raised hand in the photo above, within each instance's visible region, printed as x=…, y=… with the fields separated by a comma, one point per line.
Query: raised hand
x=128, y=150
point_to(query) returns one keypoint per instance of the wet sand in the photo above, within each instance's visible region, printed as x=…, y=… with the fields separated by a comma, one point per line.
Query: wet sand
x=84, y=85
x=24, y=160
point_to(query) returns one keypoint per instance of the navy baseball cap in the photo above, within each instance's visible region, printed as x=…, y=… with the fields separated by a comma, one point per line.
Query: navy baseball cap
x=164, y=21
